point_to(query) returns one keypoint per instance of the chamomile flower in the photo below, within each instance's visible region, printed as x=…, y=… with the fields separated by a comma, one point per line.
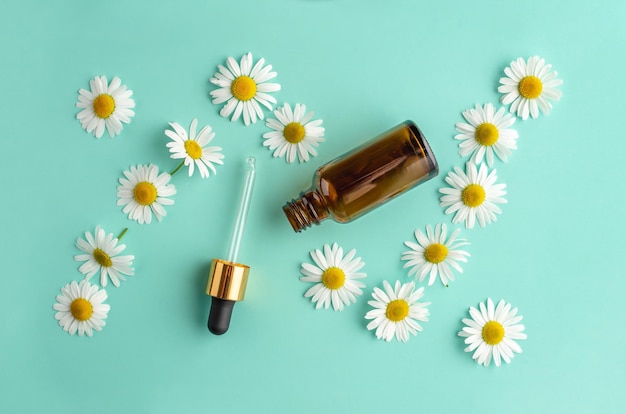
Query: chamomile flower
x=101, y=255
x=473, y=195
x=192, y=148
x=243, y=87
x=396, y=311
x=144, y=191
x=529, y=87
x=433, y=255
x=335, y=277
x=487, y=133
x=492, y=332
x=293, y=133
x=105, y=106
x=81, y=308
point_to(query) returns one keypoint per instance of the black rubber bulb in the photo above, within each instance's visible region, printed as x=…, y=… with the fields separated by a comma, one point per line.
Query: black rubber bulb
x=219, y=316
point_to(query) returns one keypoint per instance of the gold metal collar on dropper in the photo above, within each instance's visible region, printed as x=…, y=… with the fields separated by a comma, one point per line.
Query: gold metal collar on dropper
x=227, y=280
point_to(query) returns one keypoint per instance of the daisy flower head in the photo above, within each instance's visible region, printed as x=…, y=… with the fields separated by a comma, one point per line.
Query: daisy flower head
x=336, y=277
x=396, y=311
x=105, y=105
x=293, y=133
x=473, y=195
x=435, y=255
x=243, y=87
x=144, y=191
x=192, y=148
x=81, y=308
x=492, y=332
x=486, y=133
x=100, y=253
x=529, y=87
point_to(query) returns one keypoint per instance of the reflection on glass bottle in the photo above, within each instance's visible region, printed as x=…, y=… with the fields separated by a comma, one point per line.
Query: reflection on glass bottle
x=364, y=178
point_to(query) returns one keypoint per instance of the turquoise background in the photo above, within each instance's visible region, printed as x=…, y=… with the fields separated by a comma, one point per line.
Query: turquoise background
x=362, y=66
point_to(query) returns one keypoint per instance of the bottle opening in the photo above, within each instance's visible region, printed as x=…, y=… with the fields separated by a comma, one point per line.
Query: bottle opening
x=297, y=215
x=305, y=211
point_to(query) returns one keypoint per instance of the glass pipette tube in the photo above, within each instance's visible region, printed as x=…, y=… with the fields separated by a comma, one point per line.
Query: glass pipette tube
x=242, y=215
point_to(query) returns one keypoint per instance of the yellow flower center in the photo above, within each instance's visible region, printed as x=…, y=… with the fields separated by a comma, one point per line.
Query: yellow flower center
x=81, y=309
x=194, y=150
x=530, y=87
x=333, y=278
x=145, y=193
x=397, y=310
x=243, y=88
x=473, y=195
x=436, y=253
x=103, y=105
x=294, y=132
x=486, y=134
x=493, y=333
x=102, y=258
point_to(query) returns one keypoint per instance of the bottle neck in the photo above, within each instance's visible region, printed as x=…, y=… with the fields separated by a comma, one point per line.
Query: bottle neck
x=307, y=210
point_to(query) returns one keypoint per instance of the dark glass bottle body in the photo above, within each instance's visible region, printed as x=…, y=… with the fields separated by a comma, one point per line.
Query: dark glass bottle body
x=366, y=177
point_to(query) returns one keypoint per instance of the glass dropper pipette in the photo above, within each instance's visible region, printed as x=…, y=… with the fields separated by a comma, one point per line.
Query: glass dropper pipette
x=227, y=278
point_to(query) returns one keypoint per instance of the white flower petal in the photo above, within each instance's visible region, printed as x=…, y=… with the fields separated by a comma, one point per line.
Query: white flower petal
x=386, y=328
x=85, y=291
x=529, y=106
x=503, y=349
x=303, y=150
x=332, y=256
x=249, y=110
x=121, y=104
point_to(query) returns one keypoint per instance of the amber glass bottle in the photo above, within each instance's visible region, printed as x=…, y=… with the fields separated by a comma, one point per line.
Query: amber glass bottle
x=364, y=178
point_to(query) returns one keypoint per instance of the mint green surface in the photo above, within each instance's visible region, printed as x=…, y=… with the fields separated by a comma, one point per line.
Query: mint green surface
x=362, y=66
